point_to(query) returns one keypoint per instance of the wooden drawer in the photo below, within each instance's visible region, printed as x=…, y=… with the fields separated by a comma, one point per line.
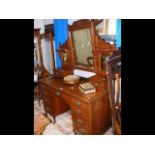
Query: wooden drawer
x=47, y=91
x=55, y=92
x=78, y=121
x=82, y=129
x=75, y=103
x=81, y=111
x=81, y=124
x=80, y=114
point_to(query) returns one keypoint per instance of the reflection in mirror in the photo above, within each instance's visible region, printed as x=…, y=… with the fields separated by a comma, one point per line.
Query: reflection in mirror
x=90, y=61
x=46, y=52
x=83, y=47
x=64, y=57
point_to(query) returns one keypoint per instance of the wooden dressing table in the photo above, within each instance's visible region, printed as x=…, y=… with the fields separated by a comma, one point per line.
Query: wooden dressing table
x=90, y=113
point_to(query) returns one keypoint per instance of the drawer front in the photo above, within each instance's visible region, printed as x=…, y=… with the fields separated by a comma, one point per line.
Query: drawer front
x=81, y=113
x=80, y=129
x=55, y=92
x=76, y=103
x=48, y=92
x=80, y=109
x=81, y=124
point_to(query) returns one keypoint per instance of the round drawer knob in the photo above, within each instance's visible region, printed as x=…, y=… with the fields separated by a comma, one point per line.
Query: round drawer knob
x=57, y=93
x=78, y=121
x=78, y=111
x=77, y=103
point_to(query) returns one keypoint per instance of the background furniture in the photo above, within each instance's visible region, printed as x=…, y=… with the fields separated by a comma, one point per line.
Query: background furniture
x=43, y=53
x=114, y=85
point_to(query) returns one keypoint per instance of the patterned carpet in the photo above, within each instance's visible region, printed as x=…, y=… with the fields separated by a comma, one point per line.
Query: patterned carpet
x=63, y=125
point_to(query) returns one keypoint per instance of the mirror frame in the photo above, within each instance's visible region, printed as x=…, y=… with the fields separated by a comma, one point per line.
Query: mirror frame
x=37, y=35
x=44, y=72
x=99, y=47
x=80, y=25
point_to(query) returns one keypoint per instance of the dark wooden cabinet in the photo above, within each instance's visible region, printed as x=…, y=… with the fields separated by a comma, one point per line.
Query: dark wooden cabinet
x=53, y=103
x=90, y=113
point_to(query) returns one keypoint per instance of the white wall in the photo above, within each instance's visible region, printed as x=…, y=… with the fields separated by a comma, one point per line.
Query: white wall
x=112, y=26
x=70, y=21
x=40, y=23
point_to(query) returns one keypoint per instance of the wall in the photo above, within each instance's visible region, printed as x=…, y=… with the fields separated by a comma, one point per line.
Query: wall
x=40, y=23
x=112, y=26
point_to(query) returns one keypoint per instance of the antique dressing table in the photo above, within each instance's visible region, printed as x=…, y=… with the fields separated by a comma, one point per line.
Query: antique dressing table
x=83, y=50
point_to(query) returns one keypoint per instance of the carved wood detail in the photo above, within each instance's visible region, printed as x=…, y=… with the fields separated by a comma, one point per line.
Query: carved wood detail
x=99, y=47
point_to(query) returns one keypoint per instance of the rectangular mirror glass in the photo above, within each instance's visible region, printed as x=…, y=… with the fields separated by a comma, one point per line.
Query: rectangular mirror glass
x=83, y=47
x=47, y=54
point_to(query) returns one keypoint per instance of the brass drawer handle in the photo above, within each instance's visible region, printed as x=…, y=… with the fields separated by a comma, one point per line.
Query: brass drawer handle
x=77, y=103
x=78, y=111
x=57, y=93
x=78, y=121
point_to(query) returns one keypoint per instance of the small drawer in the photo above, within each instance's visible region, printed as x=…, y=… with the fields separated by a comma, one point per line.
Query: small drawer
x=82, y=130
x=80, y=114
x=82, y=109
x=81, y=122
x=75, y=103
x=55, y=92
x=79, y=104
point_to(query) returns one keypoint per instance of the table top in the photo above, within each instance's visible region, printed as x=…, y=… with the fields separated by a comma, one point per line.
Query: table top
x=74, y=91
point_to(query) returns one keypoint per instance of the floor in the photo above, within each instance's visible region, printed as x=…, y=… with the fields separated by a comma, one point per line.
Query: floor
x=63, y=125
